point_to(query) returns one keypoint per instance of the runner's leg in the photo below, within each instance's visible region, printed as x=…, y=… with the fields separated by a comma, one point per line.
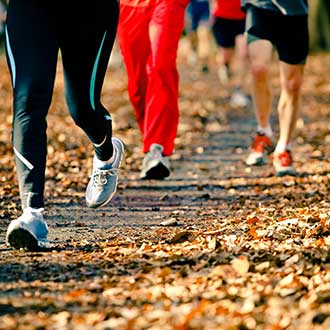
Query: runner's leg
x=32, y=50
x=289, y=102
x=242, y=67
x=292, y=47
x=85, y=60
x=162, y=113
x=134, y=43
x=260, y=52
x=224, y=31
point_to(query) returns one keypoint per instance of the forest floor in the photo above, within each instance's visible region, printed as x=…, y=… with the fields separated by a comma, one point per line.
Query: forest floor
x=218, y=245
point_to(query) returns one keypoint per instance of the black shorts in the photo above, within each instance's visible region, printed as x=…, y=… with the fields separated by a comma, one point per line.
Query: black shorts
x=226, y=30
x=289, y=34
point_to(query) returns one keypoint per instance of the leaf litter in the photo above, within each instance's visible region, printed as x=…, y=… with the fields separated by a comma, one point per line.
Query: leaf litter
x=217, y=246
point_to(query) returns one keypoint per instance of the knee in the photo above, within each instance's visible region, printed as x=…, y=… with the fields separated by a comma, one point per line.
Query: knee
x=76, y=109
x=293, y=85
x=164, y=68
x=136, y=96
x=259, y=70
x=32, y=100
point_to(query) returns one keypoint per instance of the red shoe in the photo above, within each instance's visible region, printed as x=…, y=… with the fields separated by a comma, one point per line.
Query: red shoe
x=283, y=163
x=261, y=146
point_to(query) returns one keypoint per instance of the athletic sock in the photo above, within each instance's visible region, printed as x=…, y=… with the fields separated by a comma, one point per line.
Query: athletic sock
x=281, y=147
x=266, y=131
x=102, y=164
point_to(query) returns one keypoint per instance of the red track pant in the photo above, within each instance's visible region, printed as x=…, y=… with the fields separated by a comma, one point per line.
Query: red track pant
x=148, y=38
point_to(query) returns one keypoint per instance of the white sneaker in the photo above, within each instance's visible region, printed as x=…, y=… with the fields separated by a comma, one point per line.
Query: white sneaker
x=155, y=165
x=239, y=99
x=29, y=231
x=261, y=147
x=103, y=182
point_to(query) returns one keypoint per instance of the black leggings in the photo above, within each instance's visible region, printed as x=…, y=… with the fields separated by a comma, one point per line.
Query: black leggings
x=36, y=30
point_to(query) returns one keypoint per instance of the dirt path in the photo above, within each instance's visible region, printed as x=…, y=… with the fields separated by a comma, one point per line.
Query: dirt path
x=246, y=250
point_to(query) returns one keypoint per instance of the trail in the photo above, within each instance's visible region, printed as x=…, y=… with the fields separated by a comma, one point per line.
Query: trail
x=246, y=249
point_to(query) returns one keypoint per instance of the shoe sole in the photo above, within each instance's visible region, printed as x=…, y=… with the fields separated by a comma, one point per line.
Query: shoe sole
x=259, y=162
x=286, y=172
x=22, y=239
x=158, y=172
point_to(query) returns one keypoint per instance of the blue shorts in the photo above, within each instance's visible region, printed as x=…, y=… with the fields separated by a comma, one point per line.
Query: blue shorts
x=199, y=11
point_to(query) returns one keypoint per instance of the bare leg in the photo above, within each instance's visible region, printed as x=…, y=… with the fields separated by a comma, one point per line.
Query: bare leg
x=241, y=69
x=242, y=60
x=260, y=53
x=288, y=109
x=224, y=59
x=289, y=102
x=203, y=49
x=225, y=55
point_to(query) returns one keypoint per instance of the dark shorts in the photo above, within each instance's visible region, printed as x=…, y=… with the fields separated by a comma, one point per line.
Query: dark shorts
x=289, y=34
x=226, y=30
x=199, y=12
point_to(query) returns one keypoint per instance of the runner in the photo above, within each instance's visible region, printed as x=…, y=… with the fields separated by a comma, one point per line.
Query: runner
x=35, y=32
x=282, y=23
x=228, y=29
x=199, y=33
x=148, y=33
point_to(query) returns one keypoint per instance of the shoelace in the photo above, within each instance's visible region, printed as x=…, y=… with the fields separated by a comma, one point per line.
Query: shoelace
x=100, y=177
x=156, y=154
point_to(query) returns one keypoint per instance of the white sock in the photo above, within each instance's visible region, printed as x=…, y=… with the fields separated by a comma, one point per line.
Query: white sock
x=103, y=163
x=30, y=209
x=266, y=130
x=281, y=147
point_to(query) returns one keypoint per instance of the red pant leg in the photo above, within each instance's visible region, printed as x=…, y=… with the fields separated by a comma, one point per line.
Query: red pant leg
x=133, y=37
x=162, y=113
x=148, y=38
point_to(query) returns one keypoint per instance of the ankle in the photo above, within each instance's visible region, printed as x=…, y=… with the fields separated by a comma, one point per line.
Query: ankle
x=281, y=147
x=33, y=209
x=267, y=130
x=103, y=163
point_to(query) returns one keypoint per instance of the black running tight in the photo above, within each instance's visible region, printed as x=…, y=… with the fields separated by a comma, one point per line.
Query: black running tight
x=36, y=30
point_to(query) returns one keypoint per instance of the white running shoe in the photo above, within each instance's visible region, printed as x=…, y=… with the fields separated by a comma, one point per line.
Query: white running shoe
x=29, y=231
x=155, y=166
x=239, y=99
x=103, y=182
